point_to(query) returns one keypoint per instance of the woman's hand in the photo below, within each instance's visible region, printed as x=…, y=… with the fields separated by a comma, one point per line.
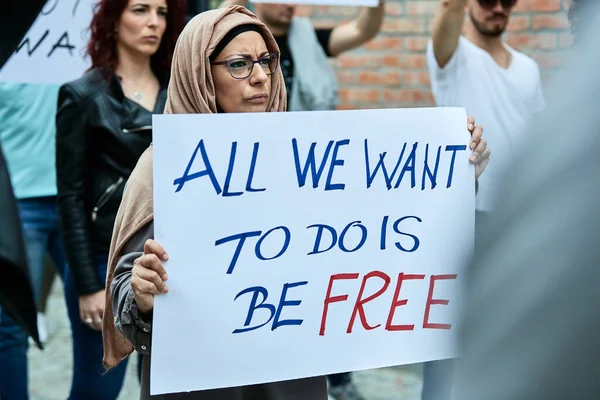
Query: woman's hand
x=481, y=153
x=91, y=309
x=148, y=276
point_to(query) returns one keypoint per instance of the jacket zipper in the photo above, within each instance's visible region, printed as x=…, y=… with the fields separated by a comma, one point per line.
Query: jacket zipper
x=105, y=197
x=138, y=129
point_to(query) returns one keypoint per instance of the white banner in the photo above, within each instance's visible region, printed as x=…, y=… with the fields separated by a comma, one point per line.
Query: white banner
x=305, y=244
x=367, y=3
x=53, y=49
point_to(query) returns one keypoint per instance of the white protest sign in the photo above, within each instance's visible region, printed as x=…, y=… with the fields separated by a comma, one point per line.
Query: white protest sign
x=53, y=49
x=305, y=244
x=365, y=3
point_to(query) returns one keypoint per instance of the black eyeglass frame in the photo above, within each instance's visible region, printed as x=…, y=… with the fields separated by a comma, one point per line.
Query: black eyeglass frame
x=272, y=56
x=490, y=4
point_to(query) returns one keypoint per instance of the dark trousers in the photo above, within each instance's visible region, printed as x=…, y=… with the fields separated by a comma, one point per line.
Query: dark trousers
x=90, y=380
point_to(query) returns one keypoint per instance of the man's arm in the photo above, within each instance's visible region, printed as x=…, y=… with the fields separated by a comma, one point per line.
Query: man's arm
x=356, y=33
x=447, y=29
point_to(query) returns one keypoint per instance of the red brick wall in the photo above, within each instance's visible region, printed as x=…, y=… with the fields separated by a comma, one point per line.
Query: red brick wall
x=391, y=70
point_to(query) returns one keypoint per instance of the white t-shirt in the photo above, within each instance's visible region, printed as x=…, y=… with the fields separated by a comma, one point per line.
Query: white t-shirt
x=501, y=100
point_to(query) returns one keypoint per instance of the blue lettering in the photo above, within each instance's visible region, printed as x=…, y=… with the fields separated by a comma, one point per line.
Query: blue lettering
x=208, y=171
x=253, y=306
x=397, y=230
x=318, y=238
x=334, y=163
x=381, y=163
x=286, y=303
x=283, y=249
x=384, y=232
x=362, y=239
x=242, y=238
x=310, y=163
x=427, y=171
x=226, y=192
x=453, y=149
x=410, y=160
x=251, y=173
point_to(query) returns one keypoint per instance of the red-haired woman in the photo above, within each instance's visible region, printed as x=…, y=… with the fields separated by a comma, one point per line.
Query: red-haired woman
x=103, y=125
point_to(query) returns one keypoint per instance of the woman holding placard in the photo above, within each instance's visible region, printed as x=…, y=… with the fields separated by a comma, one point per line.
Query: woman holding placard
x=104, y=124
x=225, y=62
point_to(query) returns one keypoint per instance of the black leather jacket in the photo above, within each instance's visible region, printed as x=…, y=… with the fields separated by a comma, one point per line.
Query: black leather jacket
x=100, y=134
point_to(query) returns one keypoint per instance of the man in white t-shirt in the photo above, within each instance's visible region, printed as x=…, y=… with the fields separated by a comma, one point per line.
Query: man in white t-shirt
x=498, y=85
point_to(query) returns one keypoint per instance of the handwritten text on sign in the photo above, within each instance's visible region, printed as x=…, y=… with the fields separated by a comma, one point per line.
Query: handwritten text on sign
x=53, y=49
x=305, y=244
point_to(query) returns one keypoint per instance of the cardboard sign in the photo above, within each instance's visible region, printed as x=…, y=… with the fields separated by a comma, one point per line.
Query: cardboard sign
x=306, y=244
x=53, y=50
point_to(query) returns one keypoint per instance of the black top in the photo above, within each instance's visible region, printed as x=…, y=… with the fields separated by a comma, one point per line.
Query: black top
x=100, y=135
x=286, y=61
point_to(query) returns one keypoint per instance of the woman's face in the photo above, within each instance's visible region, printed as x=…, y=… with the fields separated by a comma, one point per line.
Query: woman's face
x=141, y=26
x=250, y=94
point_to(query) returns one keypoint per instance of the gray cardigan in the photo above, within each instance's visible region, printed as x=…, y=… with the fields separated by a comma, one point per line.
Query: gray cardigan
x=137, y=329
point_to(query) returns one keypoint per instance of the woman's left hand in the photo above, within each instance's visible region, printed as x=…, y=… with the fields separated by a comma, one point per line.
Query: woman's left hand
x=481, y=153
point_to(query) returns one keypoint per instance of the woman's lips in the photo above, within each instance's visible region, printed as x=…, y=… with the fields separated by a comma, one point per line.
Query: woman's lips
x=258, y=98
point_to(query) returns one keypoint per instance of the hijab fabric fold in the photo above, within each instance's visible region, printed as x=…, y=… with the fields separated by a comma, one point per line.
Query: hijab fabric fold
x=191, y=91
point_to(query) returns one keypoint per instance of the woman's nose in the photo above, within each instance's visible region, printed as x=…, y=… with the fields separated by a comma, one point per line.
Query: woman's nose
x=153, y=19
x=258, y=75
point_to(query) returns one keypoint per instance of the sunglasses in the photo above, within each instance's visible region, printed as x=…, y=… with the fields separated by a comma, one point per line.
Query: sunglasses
x=489, y=4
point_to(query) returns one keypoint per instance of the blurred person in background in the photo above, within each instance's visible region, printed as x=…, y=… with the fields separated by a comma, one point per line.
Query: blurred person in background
x=310, y=81
x=104, y=123
x=27, y=133
x=531, y=322
x=17, y=304
x=481, y=72
x=501, y=86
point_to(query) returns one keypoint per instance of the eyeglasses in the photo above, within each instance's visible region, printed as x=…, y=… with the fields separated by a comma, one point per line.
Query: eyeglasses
x=489, y=4
x=241, y=68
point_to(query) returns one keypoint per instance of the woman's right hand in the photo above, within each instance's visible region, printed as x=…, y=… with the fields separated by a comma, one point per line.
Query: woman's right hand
x=148, y=275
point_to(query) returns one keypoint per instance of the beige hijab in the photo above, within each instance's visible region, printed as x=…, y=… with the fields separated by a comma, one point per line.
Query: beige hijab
x=191, y=91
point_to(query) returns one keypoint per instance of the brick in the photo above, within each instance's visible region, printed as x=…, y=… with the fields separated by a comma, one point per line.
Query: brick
x=407, y=61
x=416, y=43
x=551, y=21
x=421, y=7
x=405, y=95
x=415, y=78
x=361, y=61
x=538, y=5
x=544, y=41
x=519, y=23
x=565, y=39
x=369, y=77
x=403, y=25
x=393, y=9
x=384, y=43
x=374, y=78
x=358, y=95
x=553, y=59
x=346, y=106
